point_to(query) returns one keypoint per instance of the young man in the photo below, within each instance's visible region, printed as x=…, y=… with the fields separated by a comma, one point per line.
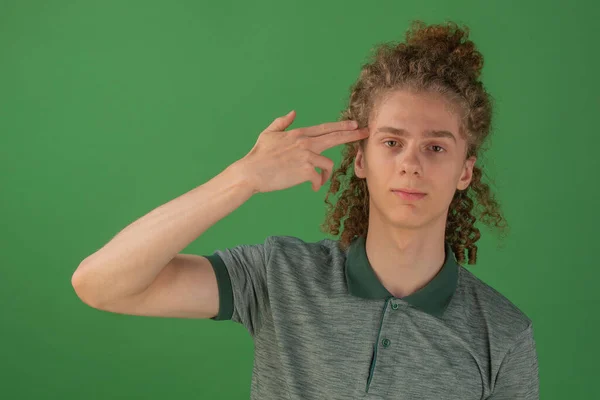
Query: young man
x=392, y=316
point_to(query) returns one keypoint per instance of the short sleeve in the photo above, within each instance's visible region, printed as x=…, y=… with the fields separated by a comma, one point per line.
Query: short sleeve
x=241, y=279
x=518, y=375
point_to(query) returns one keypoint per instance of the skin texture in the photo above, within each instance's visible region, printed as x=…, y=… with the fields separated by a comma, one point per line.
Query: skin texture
x=405, y=240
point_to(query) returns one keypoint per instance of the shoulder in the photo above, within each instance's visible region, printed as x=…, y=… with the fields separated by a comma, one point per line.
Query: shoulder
x=295, y=246
x=320, y=262
x=492, y=308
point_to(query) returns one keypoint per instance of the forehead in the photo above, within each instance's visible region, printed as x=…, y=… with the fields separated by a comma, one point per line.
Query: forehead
x=416, y=112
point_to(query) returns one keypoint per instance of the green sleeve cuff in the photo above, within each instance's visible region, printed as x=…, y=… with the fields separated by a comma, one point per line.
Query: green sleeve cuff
x=225, y=289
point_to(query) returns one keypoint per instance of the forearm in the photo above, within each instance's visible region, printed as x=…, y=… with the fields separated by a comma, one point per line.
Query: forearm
x=131, y=260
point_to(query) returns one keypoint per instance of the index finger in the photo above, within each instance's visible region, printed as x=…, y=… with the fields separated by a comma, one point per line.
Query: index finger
x=333, y=139
x=329, y=127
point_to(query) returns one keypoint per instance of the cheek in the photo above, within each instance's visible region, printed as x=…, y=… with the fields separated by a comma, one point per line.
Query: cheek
x=386, y=167
x=444, y=182
x=379, y=168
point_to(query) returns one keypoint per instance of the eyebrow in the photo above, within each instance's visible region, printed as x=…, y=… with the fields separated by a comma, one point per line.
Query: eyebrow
x=427, y=133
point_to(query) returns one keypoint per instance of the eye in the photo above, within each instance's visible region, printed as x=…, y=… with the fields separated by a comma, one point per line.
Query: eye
x=433, y=146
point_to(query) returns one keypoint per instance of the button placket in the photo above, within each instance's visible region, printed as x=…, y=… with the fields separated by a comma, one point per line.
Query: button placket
x=385, y=342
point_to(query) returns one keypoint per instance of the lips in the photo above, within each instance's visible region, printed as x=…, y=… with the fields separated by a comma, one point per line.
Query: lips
x=409, y=195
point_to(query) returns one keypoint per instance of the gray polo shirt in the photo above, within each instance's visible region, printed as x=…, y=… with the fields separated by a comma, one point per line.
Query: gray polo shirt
x=324, y=327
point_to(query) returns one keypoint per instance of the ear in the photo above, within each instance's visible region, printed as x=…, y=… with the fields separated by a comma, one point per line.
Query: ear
x=467, y=173
x=359, y=162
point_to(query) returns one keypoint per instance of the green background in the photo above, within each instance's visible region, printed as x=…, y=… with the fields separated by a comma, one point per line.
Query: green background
x=109, y=109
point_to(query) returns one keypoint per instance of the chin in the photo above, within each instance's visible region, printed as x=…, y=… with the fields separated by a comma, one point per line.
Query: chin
x=411, y=217
x=407, y=220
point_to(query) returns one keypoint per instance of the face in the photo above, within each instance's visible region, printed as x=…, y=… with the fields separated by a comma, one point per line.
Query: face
x=413, y=143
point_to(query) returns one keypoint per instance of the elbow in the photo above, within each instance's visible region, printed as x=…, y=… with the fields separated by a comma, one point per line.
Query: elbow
x=82, y=286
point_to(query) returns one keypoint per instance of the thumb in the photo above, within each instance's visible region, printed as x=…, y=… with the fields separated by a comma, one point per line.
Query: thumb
x=281, y=123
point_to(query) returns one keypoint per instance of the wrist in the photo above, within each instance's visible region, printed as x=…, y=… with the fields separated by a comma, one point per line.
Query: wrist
x=238, y=173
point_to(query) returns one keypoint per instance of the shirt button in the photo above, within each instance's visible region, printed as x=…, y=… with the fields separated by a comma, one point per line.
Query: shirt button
x=386, y=342
x=394, y=306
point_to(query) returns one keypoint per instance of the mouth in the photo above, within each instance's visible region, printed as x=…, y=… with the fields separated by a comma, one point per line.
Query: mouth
x=408, y=194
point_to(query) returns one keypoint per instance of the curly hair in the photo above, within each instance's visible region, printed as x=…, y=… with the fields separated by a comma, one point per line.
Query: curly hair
x=436, y=58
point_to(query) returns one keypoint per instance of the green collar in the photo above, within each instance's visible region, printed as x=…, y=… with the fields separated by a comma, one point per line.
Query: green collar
x=433, y=298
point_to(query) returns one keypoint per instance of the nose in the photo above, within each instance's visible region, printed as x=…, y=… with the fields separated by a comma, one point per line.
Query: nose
x=409, y=162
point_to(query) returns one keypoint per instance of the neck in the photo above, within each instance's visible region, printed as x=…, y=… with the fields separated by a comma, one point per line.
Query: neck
x=404, y=259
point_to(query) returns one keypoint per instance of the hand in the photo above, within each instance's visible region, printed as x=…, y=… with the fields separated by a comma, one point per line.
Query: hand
x=282, y=159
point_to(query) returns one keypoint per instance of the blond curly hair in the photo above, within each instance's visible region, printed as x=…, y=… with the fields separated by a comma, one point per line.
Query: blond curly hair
x=436, y=58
